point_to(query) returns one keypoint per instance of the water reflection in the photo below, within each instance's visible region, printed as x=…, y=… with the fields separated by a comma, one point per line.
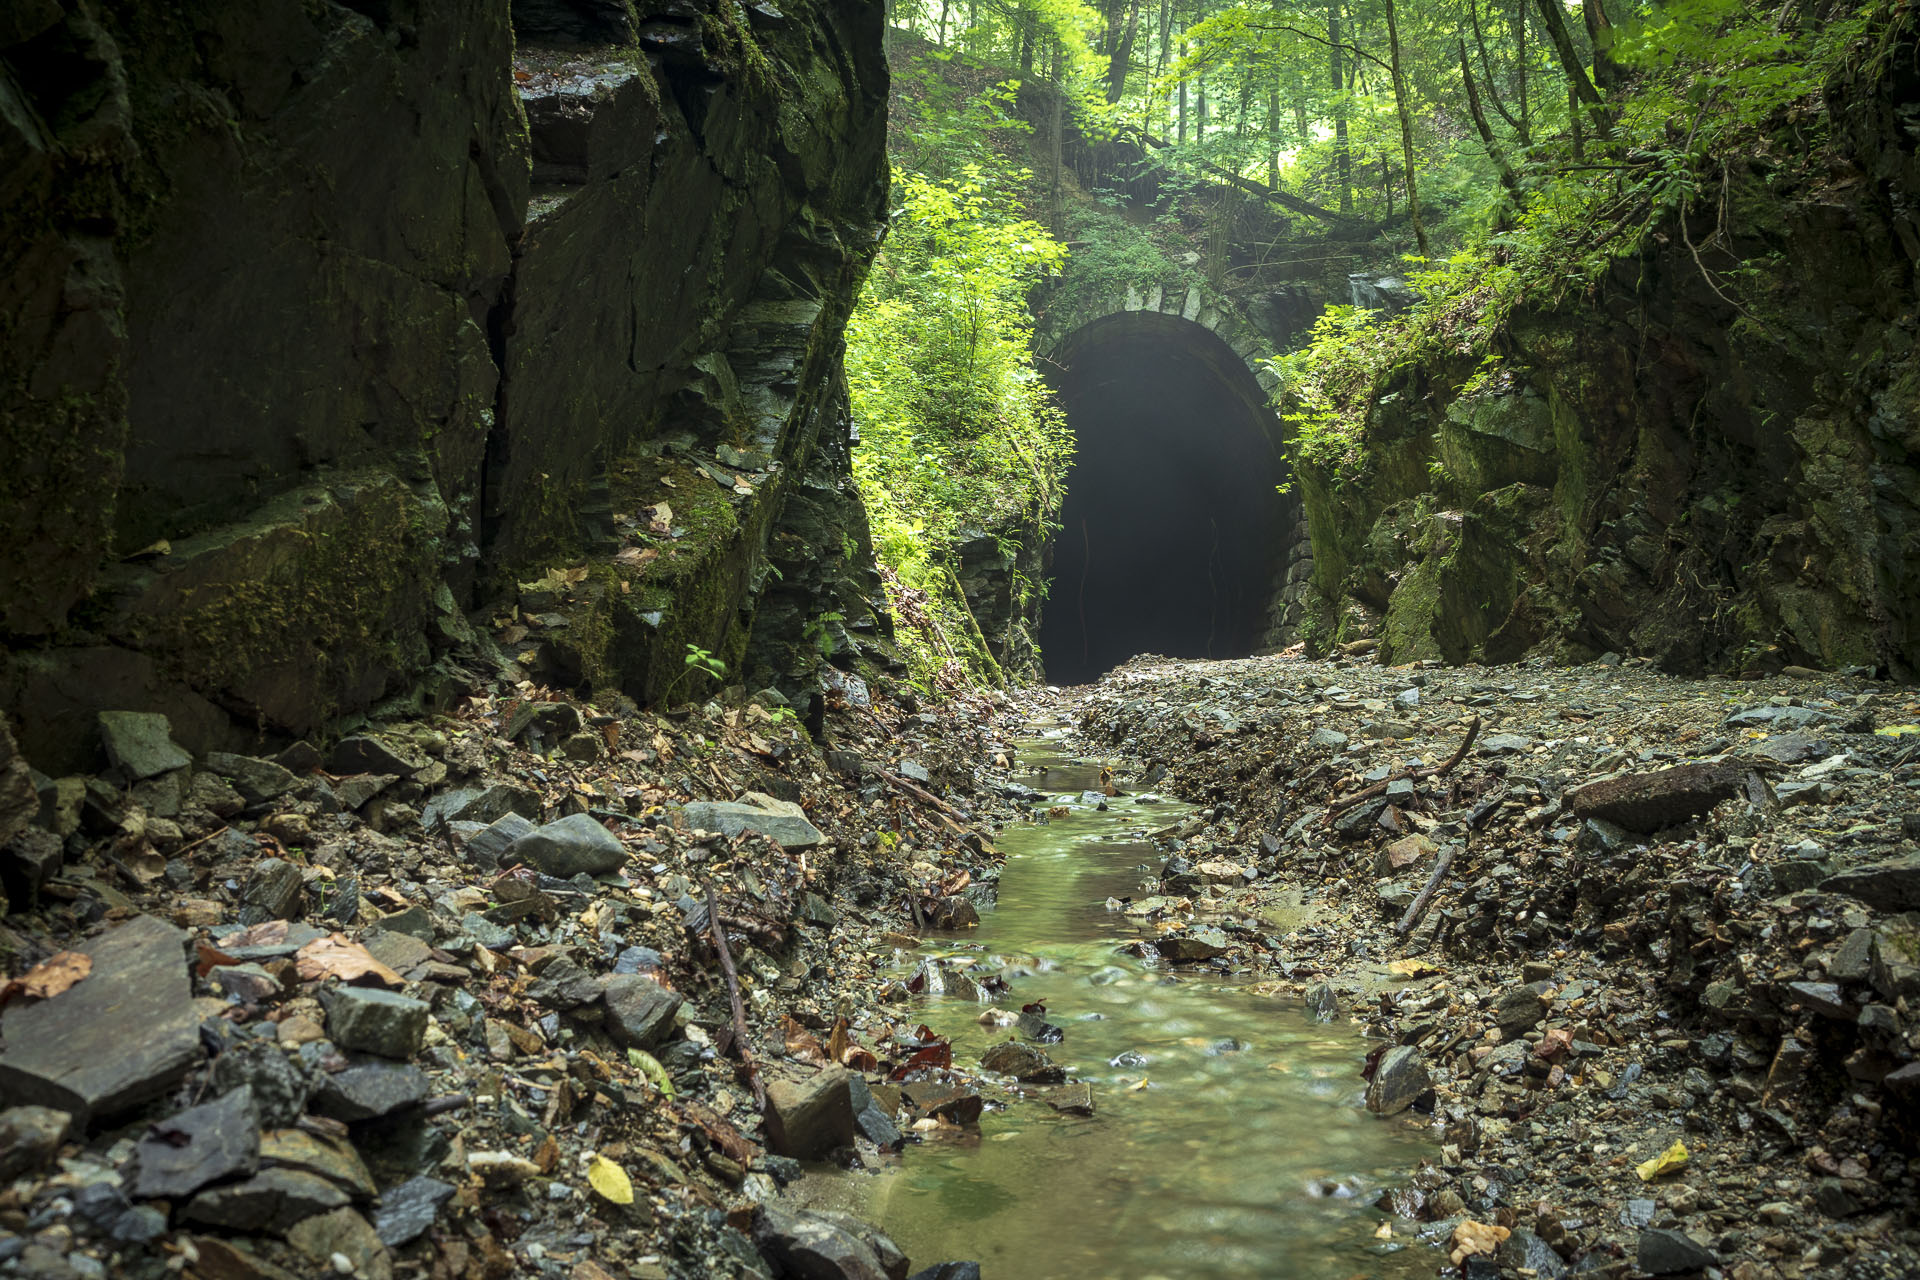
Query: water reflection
x=1228, y=1139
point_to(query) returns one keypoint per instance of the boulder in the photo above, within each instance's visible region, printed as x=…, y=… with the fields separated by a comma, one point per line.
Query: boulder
x=639, y=1010
x=779, y=820
x=377, y=1022
x=809, y=1118
x=574, y=845
x=1649, y=802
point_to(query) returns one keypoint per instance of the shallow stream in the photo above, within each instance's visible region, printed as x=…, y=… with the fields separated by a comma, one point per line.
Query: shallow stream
x=1247, y=1153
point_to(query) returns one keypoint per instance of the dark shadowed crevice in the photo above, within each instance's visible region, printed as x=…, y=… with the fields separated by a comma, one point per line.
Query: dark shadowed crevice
x=1173, y=527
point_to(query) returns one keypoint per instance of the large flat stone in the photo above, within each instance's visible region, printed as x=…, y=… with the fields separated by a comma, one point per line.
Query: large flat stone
x=779, y=820
x=1892, y=885
x=140, y=743
x=639, y=1010
x=121, y=1036
x=208, y=1143
x=1649, y=802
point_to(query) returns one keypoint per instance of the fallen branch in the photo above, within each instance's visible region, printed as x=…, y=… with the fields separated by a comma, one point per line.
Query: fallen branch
x=740, y=1042
x=1418, y=907
x=918, y=793
x=1434, y=771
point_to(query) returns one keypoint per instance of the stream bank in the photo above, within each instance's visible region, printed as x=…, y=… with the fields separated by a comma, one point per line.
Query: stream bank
x=1674, y=912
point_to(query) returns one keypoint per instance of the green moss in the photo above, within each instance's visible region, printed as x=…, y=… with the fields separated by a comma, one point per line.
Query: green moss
x=57, y=497
x=309, y=621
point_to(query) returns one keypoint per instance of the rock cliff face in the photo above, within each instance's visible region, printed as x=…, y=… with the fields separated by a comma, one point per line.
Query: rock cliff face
x=1654, y=472
x=323, y=323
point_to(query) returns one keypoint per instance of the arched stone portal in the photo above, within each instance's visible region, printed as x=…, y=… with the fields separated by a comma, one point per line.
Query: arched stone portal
x=1174, y=538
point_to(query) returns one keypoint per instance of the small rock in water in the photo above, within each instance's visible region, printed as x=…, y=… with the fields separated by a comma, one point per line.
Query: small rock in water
x=1399, y=1079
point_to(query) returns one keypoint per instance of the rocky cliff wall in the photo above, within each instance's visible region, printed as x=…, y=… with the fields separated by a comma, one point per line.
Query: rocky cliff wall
x=323, y=323
x=1655, y=472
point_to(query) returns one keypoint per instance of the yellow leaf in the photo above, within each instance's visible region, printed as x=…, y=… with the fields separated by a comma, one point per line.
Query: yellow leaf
x=610, y=1180
x=1674, y=1157
x=1411, y=968
x=1897, y=730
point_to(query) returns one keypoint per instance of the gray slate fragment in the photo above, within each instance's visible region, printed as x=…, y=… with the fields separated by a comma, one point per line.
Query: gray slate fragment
x=1665, y=1253
x=574, y=845
x=483, y=805
x=1778, y=718
x=639, y=1010
x=122, y=1035
x=1505, y=744
x=140, y=743
x=366, y=754
x=273, y=1200
x=406, y=1211
x=379, y=1022
x=370, y=1089
x=564, y=985
x=257, y=781
x=280, y=1089
x=779, y=820
x=1893, y=885
x=1399, y=1079
x=29, y=1138
x=272, y=891
x=814, y=1245
x=487, y=844
x=209, y=1143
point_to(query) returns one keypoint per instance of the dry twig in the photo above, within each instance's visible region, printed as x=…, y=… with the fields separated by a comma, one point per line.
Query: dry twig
x=1380, y=788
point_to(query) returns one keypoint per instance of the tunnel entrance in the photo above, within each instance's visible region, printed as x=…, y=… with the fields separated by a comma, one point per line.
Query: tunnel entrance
x=1173, y=532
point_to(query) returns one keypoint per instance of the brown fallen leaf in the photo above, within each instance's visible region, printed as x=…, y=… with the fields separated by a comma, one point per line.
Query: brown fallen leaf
x=659, y=519
x=802, y=1043
x=837, y=1041
x=49, y=978
x=209, y=958
x=336, y=957
x=634, y=557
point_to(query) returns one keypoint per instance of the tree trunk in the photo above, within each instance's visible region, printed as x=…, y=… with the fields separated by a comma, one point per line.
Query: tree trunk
x=1181, y=136
x=1606, y=72
x=1122, y=57
x=944, y=5
x=1273, y=133
x=1406, y=132
x=1059, y=101
x=1494, y=150
x=1027, y=24
x=1520, y=64
x=1554, y=18
x=1343, y=158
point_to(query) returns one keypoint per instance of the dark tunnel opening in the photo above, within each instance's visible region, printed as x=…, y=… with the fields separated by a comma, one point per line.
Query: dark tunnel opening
x=1173, y=527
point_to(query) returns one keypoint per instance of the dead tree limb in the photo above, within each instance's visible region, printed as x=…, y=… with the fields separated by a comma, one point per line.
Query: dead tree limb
x=1418, y=907
x=1433, y=771
x=740, y=1042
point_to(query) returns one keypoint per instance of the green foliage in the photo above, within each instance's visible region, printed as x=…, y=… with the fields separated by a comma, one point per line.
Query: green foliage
x=1701, y=83
x=958, y=435
x=697, y=659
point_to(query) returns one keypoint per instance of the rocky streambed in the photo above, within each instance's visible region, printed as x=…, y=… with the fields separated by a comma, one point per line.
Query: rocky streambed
x=1620, y=965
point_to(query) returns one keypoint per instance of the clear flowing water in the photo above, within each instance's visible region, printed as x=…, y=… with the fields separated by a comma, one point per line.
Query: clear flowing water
x=1247, y=1152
